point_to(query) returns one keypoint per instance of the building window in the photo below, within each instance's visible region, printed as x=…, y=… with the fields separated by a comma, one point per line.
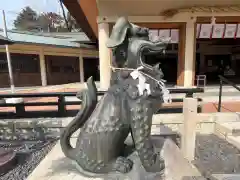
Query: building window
x=63, y=64
x=23, y=63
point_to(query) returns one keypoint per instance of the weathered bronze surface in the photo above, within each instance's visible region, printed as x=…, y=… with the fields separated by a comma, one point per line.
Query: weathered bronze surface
x=121, y=111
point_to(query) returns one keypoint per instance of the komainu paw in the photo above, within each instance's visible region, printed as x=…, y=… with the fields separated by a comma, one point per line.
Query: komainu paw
x=123, y=165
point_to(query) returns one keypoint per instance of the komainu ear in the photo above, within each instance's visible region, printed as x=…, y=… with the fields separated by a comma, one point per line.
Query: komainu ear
x=119, y=32
x=139, y=31
x=156, y=67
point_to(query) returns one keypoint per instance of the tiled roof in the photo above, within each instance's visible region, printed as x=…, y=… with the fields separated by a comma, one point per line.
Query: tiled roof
x=56, y=39
x=76, y=36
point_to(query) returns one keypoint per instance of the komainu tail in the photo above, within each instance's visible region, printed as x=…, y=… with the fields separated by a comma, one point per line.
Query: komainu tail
x=89, y=101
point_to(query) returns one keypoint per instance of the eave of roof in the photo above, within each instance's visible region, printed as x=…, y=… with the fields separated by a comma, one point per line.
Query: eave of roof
x=61, y=40
x=4, y=40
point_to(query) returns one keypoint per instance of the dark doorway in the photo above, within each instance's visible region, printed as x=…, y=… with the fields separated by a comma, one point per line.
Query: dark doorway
x=91, y=68
x=197, y=64
x=168, y=64
x=62, y=69
x=215, y=65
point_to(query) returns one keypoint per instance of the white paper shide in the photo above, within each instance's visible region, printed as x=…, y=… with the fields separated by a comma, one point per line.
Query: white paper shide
x=142, y=85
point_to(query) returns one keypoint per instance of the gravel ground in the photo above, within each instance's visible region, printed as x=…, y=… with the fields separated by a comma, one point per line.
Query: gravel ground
x=215, y=155
x=27, y=160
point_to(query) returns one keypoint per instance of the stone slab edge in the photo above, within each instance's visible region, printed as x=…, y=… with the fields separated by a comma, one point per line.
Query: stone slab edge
x=225, y=177
x=157, y=119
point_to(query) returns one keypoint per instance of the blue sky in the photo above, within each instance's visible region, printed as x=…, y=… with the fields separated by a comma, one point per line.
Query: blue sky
x=12, y=7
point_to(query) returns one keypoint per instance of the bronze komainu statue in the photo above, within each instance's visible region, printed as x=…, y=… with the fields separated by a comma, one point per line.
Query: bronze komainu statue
x=124, y=109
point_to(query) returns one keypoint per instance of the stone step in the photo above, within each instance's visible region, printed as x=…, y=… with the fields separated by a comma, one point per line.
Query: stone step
x=234, y=140
x=228, y=128
x=225, y=177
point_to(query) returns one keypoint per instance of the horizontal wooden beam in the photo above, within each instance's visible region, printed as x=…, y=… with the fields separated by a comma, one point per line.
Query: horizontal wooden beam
x=147, y=19
x=219, y=19
x=180, y=17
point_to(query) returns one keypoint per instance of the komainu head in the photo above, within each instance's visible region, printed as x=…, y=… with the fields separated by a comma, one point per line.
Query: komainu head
x=130, y=43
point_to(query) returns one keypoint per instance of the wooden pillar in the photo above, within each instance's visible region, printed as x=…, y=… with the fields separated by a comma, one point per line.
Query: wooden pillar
x=181, y=55
x=81, y=69
x=187, y=54
x=188, y=137
x=190, y=54
x=104, y=56
x=43, y=68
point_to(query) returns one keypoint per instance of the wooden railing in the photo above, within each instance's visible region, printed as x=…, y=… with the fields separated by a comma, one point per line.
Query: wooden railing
x=224, y=80
x=61, y=103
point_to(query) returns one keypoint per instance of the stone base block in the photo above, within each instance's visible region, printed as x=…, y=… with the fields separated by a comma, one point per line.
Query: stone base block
x=56, y=166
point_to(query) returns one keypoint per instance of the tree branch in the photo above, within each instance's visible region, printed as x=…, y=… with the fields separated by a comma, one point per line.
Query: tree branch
x=64, y=16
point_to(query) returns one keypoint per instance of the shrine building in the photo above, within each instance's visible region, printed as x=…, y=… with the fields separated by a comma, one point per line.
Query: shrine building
x=205, y=35
x=41, y=59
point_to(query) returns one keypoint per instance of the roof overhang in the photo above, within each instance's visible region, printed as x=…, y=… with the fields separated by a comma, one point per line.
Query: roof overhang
x=5, y=41
x=155, y=7
x=85, y=12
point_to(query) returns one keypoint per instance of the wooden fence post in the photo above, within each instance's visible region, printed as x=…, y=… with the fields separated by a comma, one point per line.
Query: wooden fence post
x=61, y=106
x=188, y=137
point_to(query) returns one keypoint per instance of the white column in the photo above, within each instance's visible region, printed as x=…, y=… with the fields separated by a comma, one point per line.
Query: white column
x=81, y=69
x=188, y=137
x=43, y=68
x=190, y=50
x=104, y=56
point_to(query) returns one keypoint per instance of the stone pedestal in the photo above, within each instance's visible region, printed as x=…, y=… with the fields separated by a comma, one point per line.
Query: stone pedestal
x=55, y=166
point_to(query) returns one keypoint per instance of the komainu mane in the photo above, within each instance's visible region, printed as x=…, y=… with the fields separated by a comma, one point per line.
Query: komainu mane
x=126, y=108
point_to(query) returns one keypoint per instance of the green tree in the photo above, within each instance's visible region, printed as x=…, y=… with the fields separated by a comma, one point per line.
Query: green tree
x=29, y=20
x=26, y=20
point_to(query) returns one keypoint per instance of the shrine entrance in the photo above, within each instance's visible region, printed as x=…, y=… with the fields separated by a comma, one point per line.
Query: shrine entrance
x=219, y=51
x=170, y=59
x=168, y=64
